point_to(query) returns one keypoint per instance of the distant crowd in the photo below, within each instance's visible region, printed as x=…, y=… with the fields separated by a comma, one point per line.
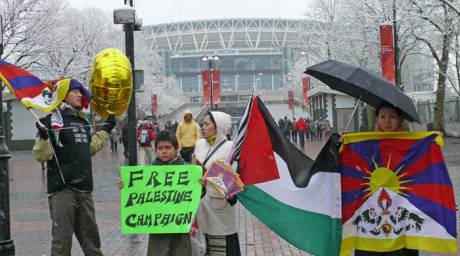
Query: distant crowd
x=303, y=129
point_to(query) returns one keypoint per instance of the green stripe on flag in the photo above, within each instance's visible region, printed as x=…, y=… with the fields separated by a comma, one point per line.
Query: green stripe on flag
x=312, y=232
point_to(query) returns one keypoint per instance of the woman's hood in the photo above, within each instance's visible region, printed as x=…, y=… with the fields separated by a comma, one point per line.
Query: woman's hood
x=223, y=123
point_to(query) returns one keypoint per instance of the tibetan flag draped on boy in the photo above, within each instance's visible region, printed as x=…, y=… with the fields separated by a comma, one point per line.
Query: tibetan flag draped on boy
x=396, y=193
x=296, y=197
x=30, y=90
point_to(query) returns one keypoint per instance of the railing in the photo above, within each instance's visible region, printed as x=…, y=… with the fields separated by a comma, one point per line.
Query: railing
x=425, y=110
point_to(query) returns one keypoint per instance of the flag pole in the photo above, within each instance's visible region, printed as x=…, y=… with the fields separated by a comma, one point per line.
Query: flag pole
x=52, y=148
x=353, y=113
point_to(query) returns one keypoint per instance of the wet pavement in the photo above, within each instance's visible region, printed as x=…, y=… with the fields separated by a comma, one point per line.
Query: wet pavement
x=31, y=225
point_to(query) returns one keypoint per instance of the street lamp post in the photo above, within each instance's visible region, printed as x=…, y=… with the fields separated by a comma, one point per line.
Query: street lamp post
x=127, y=17
x=211, y=61
x=6, y=243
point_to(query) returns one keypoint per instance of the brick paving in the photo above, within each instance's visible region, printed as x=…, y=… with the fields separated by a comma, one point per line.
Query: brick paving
x=30, y=222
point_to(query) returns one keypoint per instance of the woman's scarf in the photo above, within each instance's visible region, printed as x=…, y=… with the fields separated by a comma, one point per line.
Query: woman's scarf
x=212, y=139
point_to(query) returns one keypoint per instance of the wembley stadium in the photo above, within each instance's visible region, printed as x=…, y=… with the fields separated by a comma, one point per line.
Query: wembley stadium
x=254, y=54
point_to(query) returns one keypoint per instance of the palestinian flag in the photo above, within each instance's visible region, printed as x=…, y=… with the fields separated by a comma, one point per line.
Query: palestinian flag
x=296, y=197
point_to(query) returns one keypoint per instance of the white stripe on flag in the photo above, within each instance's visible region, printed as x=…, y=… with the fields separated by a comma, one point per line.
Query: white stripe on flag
x=322, y=195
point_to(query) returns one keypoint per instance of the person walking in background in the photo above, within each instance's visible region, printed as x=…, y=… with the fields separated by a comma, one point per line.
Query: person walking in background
x=281, y=124
x=144, y=137
x=156, y=128
x=69, y=174
x=319, y=129
x=174, y=127
x=294, y=131
x=312, y=127
x=124, y=139
x=327, y=129
x=216, y=215
x=188, y=133
x=43, y=163
x=307, y=131
x=288, y=128
x=169, y=126
x=114, y=138
x=301, y=126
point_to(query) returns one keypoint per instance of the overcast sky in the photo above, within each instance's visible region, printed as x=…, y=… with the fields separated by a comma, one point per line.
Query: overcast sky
x=164, y=11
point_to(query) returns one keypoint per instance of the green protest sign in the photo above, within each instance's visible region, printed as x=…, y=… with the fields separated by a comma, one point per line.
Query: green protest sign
x=159, y=198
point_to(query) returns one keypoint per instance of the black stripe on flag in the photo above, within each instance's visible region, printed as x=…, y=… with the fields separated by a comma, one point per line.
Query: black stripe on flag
x=301, y=167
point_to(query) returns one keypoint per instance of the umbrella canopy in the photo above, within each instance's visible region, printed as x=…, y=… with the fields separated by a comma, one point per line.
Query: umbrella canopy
x=359, y=83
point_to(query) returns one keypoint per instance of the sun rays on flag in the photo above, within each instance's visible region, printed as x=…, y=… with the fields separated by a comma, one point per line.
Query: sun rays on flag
x=384, y=177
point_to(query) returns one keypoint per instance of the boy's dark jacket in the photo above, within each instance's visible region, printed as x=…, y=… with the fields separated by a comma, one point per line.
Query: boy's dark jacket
x=176, y=161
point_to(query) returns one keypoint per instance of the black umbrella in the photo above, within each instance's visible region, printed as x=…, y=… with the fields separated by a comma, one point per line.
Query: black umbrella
x=359, y=83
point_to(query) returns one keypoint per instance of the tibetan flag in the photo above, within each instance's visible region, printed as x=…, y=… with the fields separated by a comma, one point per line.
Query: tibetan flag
x=396, y=193
x=224, y=179
x=30, y=90
x=296, y=197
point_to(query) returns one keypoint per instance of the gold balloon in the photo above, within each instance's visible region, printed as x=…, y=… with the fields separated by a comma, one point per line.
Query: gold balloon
x=111, y=82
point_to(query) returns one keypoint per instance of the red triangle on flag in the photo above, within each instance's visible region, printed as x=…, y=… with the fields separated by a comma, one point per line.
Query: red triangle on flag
x=257, y=160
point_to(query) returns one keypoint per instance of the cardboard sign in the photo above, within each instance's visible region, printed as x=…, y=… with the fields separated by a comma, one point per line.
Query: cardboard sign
x=159, y=199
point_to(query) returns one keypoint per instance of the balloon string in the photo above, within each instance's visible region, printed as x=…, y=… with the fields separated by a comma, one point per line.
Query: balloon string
x=79, y=126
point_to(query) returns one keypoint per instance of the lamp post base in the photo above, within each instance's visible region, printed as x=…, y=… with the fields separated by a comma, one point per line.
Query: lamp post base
x=7, y=248
x=6, y=244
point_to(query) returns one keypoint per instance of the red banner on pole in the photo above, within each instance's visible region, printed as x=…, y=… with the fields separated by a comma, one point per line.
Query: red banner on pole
x=216, y=86
x=290, y=99
x=305, y=87
x=387, y=52
x=206, y=86
x=154, y=104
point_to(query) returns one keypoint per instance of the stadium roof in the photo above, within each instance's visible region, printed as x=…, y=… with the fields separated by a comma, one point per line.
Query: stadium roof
x=218, y=34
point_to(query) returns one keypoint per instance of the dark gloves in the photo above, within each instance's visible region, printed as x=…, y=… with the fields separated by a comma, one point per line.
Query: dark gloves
x=42, y=131
x=109, y=124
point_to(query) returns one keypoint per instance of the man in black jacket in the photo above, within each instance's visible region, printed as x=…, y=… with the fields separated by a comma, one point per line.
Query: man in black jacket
x=65, y=142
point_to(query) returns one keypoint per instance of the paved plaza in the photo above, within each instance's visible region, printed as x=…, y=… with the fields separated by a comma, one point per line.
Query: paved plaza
x=30, y=221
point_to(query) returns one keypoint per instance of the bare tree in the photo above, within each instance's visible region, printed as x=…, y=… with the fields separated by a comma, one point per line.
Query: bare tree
x=77, y=39
x=454, y=79
x=155, y=81
x=435, y=27
x=25, y=28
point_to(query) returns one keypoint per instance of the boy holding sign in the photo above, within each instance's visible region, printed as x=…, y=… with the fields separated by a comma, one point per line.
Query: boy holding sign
x=162, y=198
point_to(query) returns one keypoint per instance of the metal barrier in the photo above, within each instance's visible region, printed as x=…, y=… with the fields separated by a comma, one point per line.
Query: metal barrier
x=451, y=110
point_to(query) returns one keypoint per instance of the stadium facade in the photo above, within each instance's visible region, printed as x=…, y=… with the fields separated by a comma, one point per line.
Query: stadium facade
x=254, y=54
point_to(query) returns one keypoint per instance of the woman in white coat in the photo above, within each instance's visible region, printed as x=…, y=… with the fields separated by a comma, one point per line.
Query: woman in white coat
x=216, y=215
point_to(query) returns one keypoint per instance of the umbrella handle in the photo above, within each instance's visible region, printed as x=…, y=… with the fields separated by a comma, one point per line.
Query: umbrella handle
x=353, y=113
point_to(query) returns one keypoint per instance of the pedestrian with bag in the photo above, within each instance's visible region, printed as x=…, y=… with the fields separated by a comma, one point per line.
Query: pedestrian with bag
x=144, y=136
x=301, y=126
x=216, y=215
x=66, y=143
